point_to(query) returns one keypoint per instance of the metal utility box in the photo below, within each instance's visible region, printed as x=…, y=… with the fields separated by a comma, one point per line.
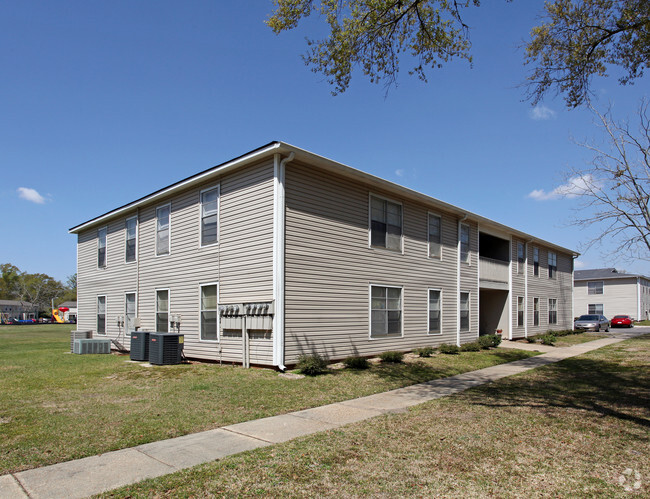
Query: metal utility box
x=139, y=345
x=88, y=346
x=79, y=335
x=165, y=348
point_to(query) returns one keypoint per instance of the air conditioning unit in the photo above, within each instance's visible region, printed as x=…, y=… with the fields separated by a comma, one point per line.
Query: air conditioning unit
x=79, y=335
x=88, y=346
x=139, y=345
x=165, y=348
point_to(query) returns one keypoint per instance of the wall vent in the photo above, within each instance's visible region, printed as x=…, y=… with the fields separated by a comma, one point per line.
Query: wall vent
x=88, y=346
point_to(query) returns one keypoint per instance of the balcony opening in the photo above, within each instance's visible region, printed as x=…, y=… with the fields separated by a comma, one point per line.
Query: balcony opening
x=493, y=247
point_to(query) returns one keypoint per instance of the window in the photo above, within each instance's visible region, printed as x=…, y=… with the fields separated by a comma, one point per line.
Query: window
x=209, y=312
x=385, y=311
x=209, y=216
x=520, y=258
x=520, y=311
x=596, y=308
x=131, y=228
x=435, y=236
x=162, y=310
x=536, y=261
x=385, y=224
x=464, y=311
x=435, y=309
x=162, y=230
x=552, y=265
x=535, y=311
x=129, y=311
x=101, y=315
x=552, y=311
x=595, y=287
x=464, y=243
x=101, y=247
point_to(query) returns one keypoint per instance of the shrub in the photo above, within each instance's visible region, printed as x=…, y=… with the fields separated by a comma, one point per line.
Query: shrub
x=548, y=339
x=496, y=339
x=356, y=363
x=424, y=351
x=392, y=356
x=531, y=339
x=470, y=347
x=449, y=349
x=486, y=341
x=311, y=365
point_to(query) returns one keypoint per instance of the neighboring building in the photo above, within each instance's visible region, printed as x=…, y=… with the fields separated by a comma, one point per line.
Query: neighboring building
x=611, y=292
x=324, y=258
x=16, y=309
x=69, y=315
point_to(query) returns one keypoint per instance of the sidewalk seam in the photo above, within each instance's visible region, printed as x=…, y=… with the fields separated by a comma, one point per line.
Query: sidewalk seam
x=20, y=484
x=156, y=459
x=246, y=434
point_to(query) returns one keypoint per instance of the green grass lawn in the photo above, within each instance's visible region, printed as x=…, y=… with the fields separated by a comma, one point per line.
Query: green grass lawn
x=56, y=406
x=573, y=429
x=574, y=339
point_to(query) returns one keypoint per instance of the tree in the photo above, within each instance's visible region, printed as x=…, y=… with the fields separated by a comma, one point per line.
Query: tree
x=615, y=188
x=9, y=277
x=581, y=39
x=39, y=290
x=578, y=39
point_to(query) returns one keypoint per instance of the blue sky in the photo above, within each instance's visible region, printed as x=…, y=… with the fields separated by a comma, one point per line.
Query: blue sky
x=104, y=102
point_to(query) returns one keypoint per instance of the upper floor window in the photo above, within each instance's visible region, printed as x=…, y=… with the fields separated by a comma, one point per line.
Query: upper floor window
x=595, y=287
x=162, y=230
x=520, y=257
x=435, y=236
x=209, y=216
x=464, y=311
x=101, y=247
x=536, y=261
x=552, y=265
x=131, y=234
x=464, y=243
x=385, y=311
x=385, y=224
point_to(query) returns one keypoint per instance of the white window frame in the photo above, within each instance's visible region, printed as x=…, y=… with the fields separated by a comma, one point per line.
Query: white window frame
x=386, y=336
x=439, y=217
x=536, y=311
x=552, y=274
x=469, y=243
x=522, y=301
x=549, y=311
x=521, y=260
x=602, y=308
x=602, y=287
x=105, y=331
x=201, y=286
x=135, y=302
x=384, y=198
x=169, y=308
x=105, y=229
x=169, y=229
x=126, y=238
x=216, y=187
x=469, y=311
x=429, y=312
x=535, y=261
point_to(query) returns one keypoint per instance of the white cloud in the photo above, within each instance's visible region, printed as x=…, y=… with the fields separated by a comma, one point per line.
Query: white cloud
x=30, y=195
x=573, y=188
x=399, y=173
x=541, y=112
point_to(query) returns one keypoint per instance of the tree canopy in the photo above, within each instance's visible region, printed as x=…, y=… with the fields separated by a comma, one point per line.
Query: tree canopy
x=38, y=289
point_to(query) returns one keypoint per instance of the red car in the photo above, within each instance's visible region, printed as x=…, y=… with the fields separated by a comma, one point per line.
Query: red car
x=622, y=321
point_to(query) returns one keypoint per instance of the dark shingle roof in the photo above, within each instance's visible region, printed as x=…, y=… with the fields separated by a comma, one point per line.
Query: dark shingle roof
x=609, y=273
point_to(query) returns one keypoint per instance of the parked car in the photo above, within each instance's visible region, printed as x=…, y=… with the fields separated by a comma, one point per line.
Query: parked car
x=622, y=321
x=591, y=322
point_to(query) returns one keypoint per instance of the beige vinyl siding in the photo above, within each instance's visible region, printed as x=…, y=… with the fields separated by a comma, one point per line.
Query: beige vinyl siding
x=619, y=297
x=241, y=262
x=518, y=288
x=469, y=283
x=330, y=267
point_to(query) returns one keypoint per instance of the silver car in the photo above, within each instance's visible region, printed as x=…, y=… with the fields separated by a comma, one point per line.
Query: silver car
x=591, y=322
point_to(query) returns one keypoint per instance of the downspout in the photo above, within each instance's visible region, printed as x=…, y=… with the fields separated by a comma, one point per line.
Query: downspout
x=526, y=288
x=638, y=298
x=460, y=221
x=573, y=311
x=279, y=212
x=510, y=297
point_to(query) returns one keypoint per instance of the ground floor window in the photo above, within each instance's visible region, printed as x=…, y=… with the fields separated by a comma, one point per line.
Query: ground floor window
x=535, y=311
x=552, y=311
x=596, y=309
x=464, y=311
x=385, y=311
x=209, y=312
x=520, y=311
x=162, y=310
x=435, y=308
x=101, y=315
x=129, y=311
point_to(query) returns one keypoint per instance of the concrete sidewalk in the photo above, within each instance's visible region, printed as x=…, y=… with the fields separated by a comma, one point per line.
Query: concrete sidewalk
x=95, y=474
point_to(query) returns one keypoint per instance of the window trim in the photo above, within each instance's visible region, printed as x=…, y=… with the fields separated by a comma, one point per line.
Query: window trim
x=169, y=242
x=469, y=244
x=390, y=200
x=536, y=301
x=105, y=229
x=602, y=308
x=469, y=311
x=522, y=300
x=126, y=238
x=439, y=217
x=552, y=274
x=135, y=302
x=218, y=189
x=535, y=261
x=521, y=261
x=155, y=308
x=549, y=311
x=218, y=339
x=105, y=332
x=602, y=287
x=387, y=336
x=429, y=333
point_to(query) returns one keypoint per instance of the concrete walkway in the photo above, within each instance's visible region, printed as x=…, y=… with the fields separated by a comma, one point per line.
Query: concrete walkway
x=95, y=474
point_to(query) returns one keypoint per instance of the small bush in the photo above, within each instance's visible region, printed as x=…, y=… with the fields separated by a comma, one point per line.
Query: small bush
x=312, y=365
x=486, y=341
x=470, y=347
x=449, y=349
x=392, y=357
x=496, y=339
x=531, y=339
x=356, y=363
x=424, y=351
x=548, y=339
